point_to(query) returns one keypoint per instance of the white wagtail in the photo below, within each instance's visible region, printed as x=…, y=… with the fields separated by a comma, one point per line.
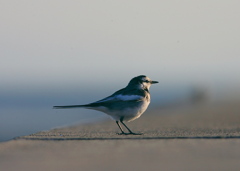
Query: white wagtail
x=126, y=104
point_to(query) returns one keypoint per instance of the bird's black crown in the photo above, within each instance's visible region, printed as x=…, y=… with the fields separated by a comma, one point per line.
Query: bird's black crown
x=137, y=80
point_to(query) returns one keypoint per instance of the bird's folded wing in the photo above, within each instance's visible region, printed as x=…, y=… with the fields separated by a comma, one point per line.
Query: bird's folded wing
x=121, y=97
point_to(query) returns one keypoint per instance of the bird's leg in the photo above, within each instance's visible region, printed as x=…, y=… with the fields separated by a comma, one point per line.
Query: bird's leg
x=120, y=129
x=130, y=132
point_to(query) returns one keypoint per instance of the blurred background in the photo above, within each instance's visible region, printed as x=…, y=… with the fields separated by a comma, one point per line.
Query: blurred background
x=59, y=52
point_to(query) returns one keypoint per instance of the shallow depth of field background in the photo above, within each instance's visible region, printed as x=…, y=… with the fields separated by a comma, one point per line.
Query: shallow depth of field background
x=75, y=52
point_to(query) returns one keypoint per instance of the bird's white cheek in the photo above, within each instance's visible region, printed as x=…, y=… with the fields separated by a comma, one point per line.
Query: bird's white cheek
x=146, y=85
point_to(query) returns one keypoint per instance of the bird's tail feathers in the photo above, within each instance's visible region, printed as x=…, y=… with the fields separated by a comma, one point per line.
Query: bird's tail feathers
x=69, y=107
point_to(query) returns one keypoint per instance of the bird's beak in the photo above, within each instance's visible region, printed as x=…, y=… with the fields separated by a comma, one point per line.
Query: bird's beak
x=154, y=82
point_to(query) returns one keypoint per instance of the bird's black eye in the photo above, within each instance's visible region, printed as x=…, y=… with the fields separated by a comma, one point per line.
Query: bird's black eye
x=146, y=81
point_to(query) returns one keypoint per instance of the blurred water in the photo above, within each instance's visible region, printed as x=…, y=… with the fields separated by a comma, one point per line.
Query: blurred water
x=26, y=111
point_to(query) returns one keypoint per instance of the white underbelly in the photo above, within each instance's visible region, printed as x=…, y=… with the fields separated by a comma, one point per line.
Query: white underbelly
x=130, y=114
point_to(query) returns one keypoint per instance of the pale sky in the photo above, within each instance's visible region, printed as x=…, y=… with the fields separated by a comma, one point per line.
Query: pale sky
x=52, y=42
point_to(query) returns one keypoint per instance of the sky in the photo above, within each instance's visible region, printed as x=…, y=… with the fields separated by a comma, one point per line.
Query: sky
x=49, y=43
x=56, y=52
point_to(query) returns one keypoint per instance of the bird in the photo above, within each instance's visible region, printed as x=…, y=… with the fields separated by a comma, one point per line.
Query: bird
x=126, y=104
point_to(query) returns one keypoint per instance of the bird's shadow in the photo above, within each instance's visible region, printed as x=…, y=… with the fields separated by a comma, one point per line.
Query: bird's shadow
x=126, y=138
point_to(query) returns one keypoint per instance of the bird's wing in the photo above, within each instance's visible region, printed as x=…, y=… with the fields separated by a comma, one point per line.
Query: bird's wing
x=122, y=95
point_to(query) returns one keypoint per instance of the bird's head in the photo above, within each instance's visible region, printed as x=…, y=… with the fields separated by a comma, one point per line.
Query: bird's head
x=142, y=82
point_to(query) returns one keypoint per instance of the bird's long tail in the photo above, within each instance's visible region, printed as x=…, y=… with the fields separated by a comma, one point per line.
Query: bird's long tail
x=69, y=107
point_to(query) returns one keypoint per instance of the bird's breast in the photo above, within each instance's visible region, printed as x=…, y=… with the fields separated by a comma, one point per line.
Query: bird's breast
x=131, y=114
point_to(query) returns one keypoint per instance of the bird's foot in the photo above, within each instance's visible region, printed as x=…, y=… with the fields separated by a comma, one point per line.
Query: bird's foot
x=130, y=133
